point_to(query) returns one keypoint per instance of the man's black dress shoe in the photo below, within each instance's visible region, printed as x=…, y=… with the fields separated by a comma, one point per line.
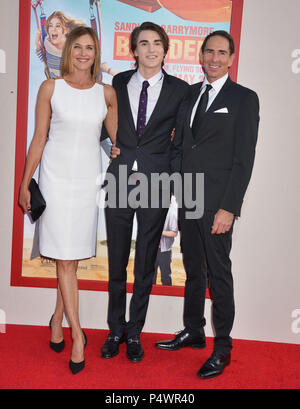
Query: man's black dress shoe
x=110, y=348
x=135, y=352
x=183, y=339
x=214, y=366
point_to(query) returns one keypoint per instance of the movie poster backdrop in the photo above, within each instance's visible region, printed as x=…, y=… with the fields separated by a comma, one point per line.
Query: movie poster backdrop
x=44, y=25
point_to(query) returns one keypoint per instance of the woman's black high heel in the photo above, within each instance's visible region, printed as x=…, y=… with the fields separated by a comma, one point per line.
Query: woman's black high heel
x=56, y=346
x=78, y=366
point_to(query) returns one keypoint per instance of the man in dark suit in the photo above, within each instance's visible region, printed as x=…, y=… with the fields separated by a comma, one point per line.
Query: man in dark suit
x=219, y=140
x=148, y=101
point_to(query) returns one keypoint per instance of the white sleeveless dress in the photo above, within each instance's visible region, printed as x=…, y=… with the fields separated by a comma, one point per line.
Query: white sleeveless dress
x=69, y=168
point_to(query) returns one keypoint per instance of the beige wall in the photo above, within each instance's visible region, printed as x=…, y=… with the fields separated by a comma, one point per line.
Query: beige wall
x=265, y=245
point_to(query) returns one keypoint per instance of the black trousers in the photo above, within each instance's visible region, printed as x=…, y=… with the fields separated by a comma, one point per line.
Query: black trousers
x=204, y=253
x=119, y=223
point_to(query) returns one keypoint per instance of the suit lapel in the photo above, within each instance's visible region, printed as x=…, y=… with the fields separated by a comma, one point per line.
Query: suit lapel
x=194, y=95
x=164, y=96
x=217, y=102
x=165, y=93
x=124, y=99
x=219, y=98
x=194, y=98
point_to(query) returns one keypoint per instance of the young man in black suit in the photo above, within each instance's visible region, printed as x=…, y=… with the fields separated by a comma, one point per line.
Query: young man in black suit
x=219, y=140
x=148, y=105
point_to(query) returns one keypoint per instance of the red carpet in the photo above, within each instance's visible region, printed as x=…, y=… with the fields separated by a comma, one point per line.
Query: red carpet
x=26, y=361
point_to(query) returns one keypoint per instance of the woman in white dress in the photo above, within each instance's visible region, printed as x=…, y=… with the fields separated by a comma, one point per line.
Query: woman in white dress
x=69, y=115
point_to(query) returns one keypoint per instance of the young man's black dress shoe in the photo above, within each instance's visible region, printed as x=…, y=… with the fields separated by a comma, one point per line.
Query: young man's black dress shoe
x=183, y=339
x=135, y=352
x=214, y=366
x=110, y=348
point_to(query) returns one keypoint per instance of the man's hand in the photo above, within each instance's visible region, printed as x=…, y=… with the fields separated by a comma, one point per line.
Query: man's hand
x=114, y=152
x=222, y=222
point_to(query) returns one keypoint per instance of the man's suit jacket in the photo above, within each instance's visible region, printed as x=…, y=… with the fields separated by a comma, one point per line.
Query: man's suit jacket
x=224, y=145
x=154, y=152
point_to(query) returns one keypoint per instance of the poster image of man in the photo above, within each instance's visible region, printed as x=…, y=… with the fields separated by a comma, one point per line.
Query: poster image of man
x=164, y=254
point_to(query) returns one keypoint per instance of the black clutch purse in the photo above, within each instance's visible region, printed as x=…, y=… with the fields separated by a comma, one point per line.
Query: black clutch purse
x=37, y=201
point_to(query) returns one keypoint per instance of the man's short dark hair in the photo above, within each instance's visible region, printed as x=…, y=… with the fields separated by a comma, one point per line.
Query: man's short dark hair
x=221, y=33
x=148, y=25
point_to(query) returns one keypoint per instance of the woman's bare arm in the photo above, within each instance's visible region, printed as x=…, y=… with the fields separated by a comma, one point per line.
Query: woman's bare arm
x=111, y=120
x=43, y=116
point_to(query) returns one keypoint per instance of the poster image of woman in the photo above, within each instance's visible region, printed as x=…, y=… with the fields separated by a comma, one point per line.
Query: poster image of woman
x=50, y=42
x=51, y=36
